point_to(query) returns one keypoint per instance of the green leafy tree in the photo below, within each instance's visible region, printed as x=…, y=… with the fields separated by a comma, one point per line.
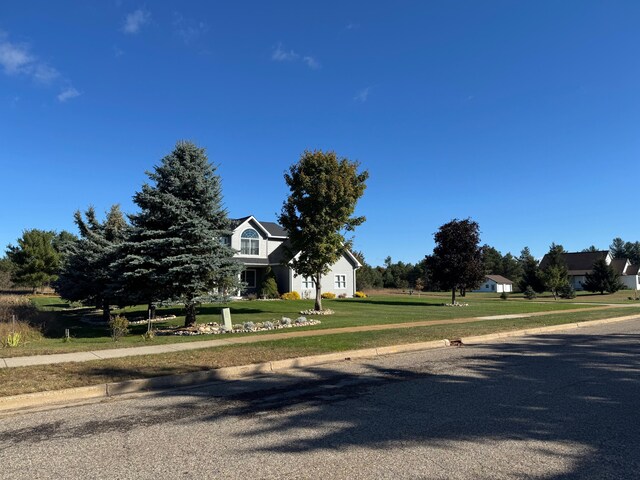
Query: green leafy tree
x=531, y=276
x=632, y=252
x=35, y=260
x=591, y=249
x=555, y=274
x=88, y=273
x=491, y=260
x=175, y=253
x=602, y=278
x=456, y=262
x=324, y=190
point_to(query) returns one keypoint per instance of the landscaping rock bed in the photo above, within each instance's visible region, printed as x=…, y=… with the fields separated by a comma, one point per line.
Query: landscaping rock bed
x=215, y=328
x=317, y=312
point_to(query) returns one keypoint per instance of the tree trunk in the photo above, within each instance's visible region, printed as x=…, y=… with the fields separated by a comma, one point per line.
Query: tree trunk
x=152, y=310
x=318, y=305
x=106, y=311
x=453, y=296
x=190, y=314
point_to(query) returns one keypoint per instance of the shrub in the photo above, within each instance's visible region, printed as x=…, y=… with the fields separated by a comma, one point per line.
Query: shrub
x=529, y=293
x=249, y=326
x=567, y=291
x=119, y=326
x=360, y=295
x=268, y=325
x=13, y=334
x=504, y=295
x=328, y=295
x=301, y=321
x=269, y=287
x=285, y=321
x=290, y=296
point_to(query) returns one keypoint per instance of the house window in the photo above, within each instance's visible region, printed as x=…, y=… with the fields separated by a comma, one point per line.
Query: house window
x=250, y=242
x=249, y=277
x=308, y=283
x=340, y=282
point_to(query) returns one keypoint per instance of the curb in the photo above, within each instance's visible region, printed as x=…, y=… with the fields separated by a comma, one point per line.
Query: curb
x=109, y=390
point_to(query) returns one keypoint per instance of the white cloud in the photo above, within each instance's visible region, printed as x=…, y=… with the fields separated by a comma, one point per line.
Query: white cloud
x=14, y=58
x=188, y=29
x=282, y=55
x=311, y=62
x=67, y=94
x=17, y=59
x=363, y=95
x=135, y=20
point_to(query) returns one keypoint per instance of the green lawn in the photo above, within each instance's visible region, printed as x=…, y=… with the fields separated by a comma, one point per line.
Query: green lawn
x=66, y=375
x=381, y=309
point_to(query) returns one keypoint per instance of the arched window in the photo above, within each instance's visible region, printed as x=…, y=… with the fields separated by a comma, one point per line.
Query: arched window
x=249, y=242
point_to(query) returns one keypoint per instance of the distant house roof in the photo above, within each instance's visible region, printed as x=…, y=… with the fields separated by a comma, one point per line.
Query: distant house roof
x=578, y=263
x=499, y=279
x=619, y=265
x=633, y=269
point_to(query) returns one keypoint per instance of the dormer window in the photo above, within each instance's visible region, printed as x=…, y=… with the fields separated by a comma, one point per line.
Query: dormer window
x=250, y=242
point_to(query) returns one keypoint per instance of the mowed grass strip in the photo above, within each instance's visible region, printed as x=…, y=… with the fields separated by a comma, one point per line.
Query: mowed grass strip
x=16, y=381
x=378, y=310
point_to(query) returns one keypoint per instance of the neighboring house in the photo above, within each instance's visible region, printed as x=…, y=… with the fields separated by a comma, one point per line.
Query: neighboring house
x=495, y=283
x=262, y=244
x=581, y=263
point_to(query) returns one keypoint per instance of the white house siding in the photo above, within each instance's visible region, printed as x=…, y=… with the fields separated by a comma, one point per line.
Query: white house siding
x=577, y=281
x=262, y=240
x=341, y=267
x=631, y=281
x=492, y=286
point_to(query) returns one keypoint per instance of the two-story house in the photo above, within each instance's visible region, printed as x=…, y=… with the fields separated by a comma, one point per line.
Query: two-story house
x=261, y=244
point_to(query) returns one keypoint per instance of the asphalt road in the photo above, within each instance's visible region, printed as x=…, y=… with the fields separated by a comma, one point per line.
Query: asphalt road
x=552, y=406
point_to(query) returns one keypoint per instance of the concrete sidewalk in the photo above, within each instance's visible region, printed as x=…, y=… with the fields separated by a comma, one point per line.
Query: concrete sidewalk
x=230, y=339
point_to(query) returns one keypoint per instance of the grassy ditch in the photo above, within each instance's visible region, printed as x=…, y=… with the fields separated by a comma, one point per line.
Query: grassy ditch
x=52, y=377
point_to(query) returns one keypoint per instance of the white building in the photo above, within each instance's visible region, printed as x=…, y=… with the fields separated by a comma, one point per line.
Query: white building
x=496, y=284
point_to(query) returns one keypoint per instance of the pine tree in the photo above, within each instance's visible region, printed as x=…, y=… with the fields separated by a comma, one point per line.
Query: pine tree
x=555, y=274
x=87, y=272
x=35, y=261
x=602, y=278
x=175, y=253
x=530, y=272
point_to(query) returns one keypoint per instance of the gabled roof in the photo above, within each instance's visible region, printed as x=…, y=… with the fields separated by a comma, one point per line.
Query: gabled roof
x=269, y=228
x=619, y=265
x=578, y=263
x=499, y=279
x=633, y=269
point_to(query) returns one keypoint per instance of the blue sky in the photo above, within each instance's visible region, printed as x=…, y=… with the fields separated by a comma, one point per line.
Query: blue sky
x=523, y=116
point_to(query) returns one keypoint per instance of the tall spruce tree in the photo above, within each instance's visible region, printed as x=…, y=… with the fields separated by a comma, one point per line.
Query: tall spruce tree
x=175, y=254
x=531, y=276
x=602, y=278
x=87, y=272
x=317, y=212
